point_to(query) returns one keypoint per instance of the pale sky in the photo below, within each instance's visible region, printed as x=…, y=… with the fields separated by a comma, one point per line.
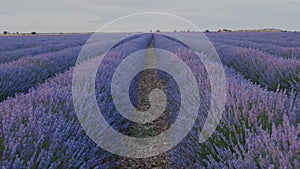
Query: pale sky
x=90, y=15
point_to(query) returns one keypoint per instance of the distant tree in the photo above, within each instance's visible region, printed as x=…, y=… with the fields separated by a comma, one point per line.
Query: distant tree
x=17, y=33
x=226, y=30
x=219, y=30
x=175, y=30
x=206, y=30
x=33, y=33
x=157, y=30
x=5, y=32
x=188, y=30
x=151, y=31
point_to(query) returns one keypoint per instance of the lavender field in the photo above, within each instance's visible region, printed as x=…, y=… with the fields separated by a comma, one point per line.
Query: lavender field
x=258, y=129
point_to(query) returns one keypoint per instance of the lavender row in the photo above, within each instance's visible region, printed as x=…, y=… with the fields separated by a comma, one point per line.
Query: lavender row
x=256, y=121
x=283, y=39
x=285, y=52
x=261, y=68
x=52, y=44
x=11, y=43
x=19, y=76
x=41, y=130
x=259, y=129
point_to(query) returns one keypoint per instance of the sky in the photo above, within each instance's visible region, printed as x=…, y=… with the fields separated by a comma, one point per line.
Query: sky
x=90, y=15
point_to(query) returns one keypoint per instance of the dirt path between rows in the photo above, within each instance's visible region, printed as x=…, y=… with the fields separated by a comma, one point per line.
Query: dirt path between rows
x=147, y=82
